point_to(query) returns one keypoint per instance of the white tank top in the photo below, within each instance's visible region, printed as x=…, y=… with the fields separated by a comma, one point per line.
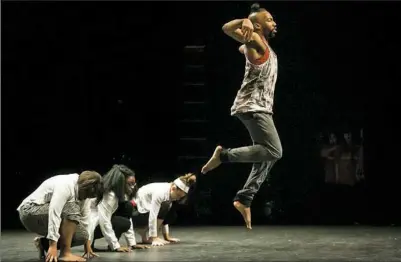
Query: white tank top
x=257, y=90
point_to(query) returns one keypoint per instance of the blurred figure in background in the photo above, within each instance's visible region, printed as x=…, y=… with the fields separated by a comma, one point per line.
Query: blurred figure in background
x=360, y=170
x=347, y=178
x=347, y=162
x=329, y=152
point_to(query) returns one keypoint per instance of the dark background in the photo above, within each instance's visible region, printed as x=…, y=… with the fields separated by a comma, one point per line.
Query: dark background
x=86, y=85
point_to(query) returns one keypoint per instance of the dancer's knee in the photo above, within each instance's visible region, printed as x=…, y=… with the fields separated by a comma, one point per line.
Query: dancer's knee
x=125, y=209
x=278, y=154
x=81, y=235
x=121, y=223
x=273, y=152
x=126, y=225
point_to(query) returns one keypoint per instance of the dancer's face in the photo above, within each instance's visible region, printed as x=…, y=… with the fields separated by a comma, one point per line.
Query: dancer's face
x=348, y=138
x=265, y=23
x=83, y=194
x=176, y=193
x=131, y=182
x=332, y=139
x=87, y=192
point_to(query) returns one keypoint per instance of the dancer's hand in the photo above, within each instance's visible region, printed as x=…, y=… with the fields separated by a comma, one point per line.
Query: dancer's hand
x=158, y=242
x=52, y=254
x=173, y=240
x=247, y=29
x=140, y=247
x=123, y=249
x=89, y=252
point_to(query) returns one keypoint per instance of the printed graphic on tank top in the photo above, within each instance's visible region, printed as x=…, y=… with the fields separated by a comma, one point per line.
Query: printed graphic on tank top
x=257, y=90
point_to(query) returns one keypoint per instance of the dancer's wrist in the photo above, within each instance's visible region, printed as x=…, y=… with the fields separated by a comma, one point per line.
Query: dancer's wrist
x=52, y=243
x=233, y=25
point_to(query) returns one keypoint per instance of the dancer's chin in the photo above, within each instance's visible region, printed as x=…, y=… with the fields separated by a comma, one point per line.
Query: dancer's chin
x=271, y=34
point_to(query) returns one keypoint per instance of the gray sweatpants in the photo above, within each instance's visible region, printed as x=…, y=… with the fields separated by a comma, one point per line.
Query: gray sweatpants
x=264, y=153
x=35, y=218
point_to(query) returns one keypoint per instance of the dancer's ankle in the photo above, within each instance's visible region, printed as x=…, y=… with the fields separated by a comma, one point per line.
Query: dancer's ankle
x=224, y=155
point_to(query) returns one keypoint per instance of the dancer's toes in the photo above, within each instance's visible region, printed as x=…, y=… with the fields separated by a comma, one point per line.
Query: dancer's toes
x=213, y=162
x=247, y=211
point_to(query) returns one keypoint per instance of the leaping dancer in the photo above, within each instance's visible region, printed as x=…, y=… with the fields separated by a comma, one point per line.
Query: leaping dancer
x=253, y=105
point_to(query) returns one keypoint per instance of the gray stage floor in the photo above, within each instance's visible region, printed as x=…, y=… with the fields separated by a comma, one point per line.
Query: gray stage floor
x=267, y=243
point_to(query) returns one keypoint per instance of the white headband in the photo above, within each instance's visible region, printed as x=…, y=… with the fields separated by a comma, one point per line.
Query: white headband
x=181, y=185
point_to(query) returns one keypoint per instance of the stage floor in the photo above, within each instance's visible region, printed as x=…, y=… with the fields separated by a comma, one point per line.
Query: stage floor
x=263, y=243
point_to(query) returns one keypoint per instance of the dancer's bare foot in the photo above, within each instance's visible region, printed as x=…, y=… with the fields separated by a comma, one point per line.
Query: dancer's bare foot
x=146, y=240
x=214, y=161
x=245, y=212
x=39, y=247
x=69, y=257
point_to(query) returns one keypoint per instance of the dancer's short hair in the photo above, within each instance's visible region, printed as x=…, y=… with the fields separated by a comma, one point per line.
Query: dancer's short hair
x=188, y=179
x=91, y=182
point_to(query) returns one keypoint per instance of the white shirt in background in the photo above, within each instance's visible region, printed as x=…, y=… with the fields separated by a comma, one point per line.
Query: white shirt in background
x=149, y=199
x=101, y=215
x=57, y=191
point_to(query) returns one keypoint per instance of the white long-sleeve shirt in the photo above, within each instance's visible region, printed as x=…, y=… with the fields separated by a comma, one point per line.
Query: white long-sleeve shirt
x=58, y=190
x=149, y=199
x=101, y=215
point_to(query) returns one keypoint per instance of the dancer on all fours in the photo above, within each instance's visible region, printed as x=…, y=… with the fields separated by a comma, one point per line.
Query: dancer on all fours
x=253, y=105
x=59, y=211
x=119, y=183
x=166, y=216
x=152, y=205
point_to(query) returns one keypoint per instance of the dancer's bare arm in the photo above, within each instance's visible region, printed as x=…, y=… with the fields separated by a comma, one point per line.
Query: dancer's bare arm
x=167, y=236
x=242, y=49
x=59, y=198
x=241, y=30
x=105, y=210
x=157, y=200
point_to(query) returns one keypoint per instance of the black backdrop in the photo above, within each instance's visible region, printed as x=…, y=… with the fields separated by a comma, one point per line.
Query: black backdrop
x=86, y=83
